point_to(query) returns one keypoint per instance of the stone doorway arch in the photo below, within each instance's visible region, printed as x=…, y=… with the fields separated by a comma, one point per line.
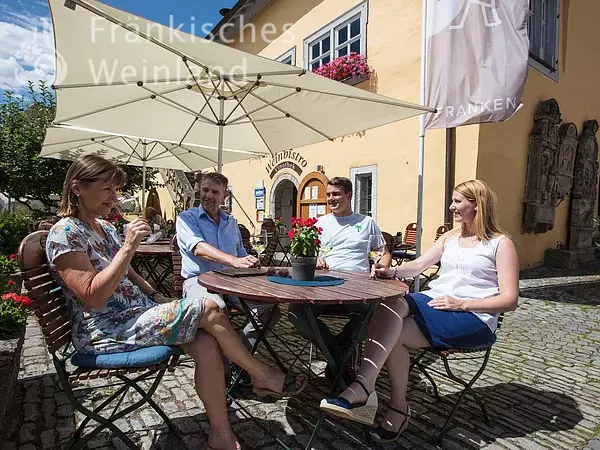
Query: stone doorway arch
x=282, y=201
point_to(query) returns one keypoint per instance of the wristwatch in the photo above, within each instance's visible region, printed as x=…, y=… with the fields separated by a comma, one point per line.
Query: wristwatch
x=153, y=294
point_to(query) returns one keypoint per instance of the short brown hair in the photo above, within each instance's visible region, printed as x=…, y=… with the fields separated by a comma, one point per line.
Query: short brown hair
x=87, y=169
x=342, y=182
x=215, y=177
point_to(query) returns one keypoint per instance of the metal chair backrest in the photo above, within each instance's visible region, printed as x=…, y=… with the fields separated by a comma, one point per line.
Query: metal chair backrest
x=500, y=319
x=170, y=227
x=441, y=230
x=176, y=258
x=410, y=235
x=48, y=301
x=268, y=225
x=270, y=249
x=245, y=236
x=389, y=241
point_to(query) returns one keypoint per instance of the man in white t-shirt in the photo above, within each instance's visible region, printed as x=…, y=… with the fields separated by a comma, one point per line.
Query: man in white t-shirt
x=346, y=241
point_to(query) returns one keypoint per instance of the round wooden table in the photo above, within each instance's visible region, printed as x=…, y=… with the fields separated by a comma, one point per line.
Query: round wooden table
x=357, y=288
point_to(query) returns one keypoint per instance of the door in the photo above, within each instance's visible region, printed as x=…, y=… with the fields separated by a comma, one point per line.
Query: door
x=286, y=198
x=312, y=196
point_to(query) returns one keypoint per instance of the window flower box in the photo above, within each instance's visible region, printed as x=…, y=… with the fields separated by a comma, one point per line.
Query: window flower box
x=356, y=79
x=350, y=69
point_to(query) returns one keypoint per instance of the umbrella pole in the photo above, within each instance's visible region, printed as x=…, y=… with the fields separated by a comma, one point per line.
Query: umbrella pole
x=144, y=179
x=221, y=126
x=416, y=283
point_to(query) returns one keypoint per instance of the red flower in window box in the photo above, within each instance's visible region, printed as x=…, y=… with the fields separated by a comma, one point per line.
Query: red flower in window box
x=345, y=67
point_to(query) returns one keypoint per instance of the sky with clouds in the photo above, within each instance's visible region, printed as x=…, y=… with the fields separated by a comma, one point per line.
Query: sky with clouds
x=27, y=43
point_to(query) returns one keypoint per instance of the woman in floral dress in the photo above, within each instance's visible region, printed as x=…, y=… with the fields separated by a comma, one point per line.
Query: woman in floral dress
x=113, y=309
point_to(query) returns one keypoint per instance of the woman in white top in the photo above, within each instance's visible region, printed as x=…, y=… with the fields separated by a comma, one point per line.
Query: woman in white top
x=478, y=281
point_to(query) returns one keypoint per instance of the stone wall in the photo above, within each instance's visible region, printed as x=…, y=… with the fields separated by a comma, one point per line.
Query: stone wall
x=10, y=357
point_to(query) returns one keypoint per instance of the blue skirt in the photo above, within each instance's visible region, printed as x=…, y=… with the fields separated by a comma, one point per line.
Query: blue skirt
x=448, y=329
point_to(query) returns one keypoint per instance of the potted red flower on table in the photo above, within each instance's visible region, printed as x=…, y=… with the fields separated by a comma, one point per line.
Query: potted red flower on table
x=304, y=247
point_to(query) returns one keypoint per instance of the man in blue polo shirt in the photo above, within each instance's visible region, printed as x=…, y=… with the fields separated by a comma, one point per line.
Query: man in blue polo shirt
x=210, y=239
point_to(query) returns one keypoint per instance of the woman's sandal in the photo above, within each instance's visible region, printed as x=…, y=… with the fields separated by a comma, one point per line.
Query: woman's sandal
x=292, y=385
x=358, y=412
x=381, y=435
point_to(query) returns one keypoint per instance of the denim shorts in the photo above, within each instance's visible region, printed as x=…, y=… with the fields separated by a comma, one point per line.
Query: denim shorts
x=448, y=329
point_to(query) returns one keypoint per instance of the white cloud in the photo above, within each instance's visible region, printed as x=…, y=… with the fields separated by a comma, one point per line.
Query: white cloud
x=14, y=76
x=26, y=50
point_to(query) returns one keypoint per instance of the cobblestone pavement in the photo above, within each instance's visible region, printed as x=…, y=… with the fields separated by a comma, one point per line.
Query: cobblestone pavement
x=542, y=389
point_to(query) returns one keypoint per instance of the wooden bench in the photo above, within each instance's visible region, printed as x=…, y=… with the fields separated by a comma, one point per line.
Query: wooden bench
x=50, y=307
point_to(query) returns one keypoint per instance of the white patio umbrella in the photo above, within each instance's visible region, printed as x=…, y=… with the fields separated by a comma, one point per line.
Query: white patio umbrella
x=69, y=143
x=121, y=74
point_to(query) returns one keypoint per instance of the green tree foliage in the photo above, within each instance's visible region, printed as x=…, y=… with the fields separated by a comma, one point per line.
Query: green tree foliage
x=23, y=175
x=13, y=228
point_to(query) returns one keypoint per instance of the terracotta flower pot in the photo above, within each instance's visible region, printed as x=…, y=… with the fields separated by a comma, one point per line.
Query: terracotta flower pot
x=303, y=267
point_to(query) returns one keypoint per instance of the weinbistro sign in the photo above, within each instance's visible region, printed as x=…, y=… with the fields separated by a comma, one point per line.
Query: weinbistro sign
x=286, y=160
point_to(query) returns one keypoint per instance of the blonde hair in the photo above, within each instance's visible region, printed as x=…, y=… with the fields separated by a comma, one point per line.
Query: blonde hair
x=87, y=169
x=485, y=223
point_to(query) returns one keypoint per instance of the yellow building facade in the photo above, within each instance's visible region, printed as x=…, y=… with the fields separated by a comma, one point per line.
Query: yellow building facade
x=383, y=162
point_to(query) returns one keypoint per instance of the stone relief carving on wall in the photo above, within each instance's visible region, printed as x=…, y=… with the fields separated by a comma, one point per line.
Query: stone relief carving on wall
x=550, y=165
x=585, y=187
x=565, y=161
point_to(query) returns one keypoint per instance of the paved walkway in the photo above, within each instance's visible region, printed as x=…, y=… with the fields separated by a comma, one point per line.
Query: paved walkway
x=542, y=388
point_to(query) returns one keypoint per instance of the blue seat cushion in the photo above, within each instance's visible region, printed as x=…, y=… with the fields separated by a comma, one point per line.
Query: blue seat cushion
x=143, y=357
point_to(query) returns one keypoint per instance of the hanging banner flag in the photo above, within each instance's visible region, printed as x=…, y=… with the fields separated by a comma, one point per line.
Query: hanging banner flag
x=477, y=55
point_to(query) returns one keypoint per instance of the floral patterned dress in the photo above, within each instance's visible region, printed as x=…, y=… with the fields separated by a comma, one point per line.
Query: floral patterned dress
x=129, y=319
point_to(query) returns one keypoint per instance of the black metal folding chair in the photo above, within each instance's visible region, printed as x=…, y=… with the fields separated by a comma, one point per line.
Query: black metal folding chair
x=482, y=353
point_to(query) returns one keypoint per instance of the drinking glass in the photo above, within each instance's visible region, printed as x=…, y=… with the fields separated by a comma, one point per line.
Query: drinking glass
x=324, y=251
x=154, y=237
x=259, y=243
x=376, y=247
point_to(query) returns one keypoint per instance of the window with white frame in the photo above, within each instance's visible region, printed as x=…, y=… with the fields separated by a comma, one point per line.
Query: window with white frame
x=347, y=34
x=364, y=198
x=288, y=57
x=542, y=28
